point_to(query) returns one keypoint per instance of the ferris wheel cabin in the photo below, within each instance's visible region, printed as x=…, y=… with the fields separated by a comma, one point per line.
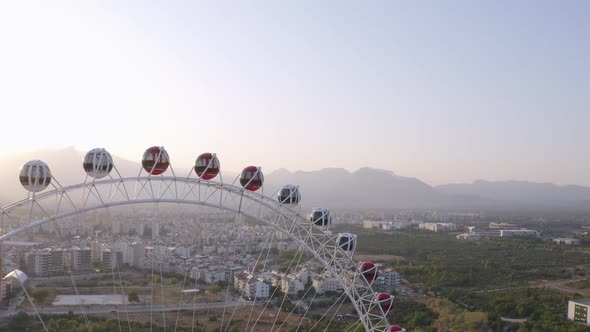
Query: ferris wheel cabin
x=207, y=166
x=252, y=178
x=320, y=217
x=35, y=176
x=98, y=163
x=155, y=160
x=289, y=194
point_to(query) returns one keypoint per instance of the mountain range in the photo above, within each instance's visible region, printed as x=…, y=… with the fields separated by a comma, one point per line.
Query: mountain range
x=366, y=188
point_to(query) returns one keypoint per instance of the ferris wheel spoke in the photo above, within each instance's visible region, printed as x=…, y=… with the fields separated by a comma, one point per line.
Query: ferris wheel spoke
x=115, y=292
x=32, y=304
x=162, y=300
x=180, y=301
x=275, y=290
x=263, y=269
x=286, y=293
x=227, y=290
x=324, y=315
x=123, y=300
x=251, y=274
x=75, y=287
x=302, y=297
x=152, y=298
x=194, y=307
x=283, y=214
x=335, y=313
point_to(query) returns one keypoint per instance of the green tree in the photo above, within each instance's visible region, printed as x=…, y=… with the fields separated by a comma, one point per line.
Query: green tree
x=214, y=289
x=173, y=281
x=133, y=297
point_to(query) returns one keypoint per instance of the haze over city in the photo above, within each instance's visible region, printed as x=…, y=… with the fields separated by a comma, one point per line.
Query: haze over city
x=445, y=92
x=271, y=166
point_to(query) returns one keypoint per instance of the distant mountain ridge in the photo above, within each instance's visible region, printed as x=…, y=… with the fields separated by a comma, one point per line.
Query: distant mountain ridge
x=365, y=188
x=519, y=191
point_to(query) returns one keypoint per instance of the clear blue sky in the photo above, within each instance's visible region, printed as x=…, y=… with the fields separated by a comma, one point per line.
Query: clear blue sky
x=447, y=91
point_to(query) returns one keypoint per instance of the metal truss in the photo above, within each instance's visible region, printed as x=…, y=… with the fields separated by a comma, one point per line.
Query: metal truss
x=62, y=202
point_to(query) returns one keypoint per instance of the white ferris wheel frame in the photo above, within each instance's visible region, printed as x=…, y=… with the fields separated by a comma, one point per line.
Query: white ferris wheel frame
x=66, y=201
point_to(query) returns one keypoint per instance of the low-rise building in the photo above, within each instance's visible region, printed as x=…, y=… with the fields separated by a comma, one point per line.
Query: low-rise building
x=519, y=233
x=502, y=225
x=566, y=241
x=208, y=275
x=389, y=278
x=252, y=288
x=256, y=289
x=469, y=236
x=4, y=290
x=372, y=224
x=438, y=227
x=291, y=285
x=577, y=310
x=326, y=283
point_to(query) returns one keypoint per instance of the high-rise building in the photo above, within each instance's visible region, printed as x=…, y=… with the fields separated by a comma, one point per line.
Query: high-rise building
x=111, y=259
x=140, y=229
x=131, y=252
x=45, y=262
x=81, y=259
x=155, y=231
x=96, y=251
x=117, y=227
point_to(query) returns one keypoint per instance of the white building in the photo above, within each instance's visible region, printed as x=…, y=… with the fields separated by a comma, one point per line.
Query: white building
x=566, y=241
x=326, y=283
x=208, y=276
x=502, y=225
x=469, y=236
x=252, y=288
x=291, y=285
x=184, y=251
x=257, y=289
x=519, y=233
x=131, y=252
x=372, y=224
x=305, y=275
x=394, y=225
x=388, y=278
x=155, y=231
x=577, y=310
x=438, y=227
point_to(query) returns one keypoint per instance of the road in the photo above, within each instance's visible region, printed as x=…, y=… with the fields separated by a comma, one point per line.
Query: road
x=100, y=309
x=38, y=280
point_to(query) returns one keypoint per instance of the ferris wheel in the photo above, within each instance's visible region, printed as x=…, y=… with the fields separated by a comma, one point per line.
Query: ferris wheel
x=156, y=182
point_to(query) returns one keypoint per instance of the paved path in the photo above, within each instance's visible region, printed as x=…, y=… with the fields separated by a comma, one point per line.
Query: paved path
x=100, y=309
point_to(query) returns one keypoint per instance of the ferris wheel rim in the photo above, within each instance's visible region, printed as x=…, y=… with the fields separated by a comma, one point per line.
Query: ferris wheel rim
x=287, y=211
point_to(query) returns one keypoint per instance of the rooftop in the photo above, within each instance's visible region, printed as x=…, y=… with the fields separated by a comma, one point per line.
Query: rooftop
x=581, y=301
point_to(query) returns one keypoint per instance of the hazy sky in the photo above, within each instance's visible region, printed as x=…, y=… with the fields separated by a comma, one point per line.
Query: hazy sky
x=447, y=91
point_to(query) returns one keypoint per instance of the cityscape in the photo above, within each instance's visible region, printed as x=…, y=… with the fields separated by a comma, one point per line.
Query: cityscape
x=269, y=166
